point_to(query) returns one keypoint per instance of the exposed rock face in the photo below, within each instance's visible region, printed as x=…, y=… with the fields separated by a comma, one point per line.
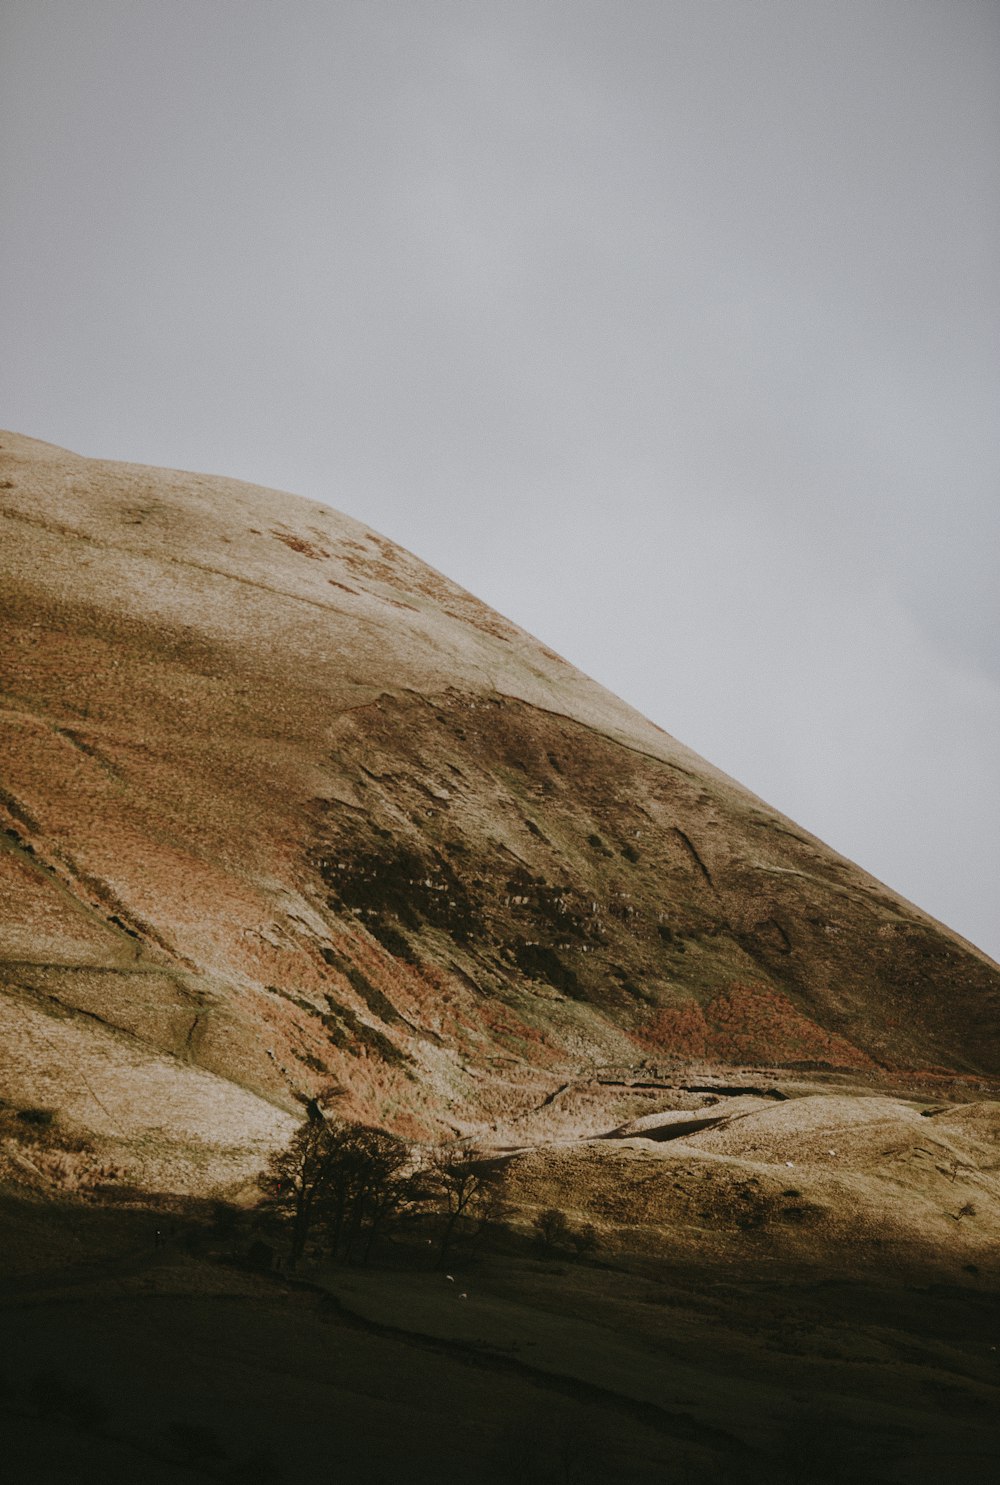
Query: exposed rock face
x=283, y=808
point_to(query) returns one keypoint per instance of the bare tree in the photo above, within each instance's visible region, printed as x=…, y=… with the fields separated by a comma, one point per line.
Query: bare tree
x=297, y=1178
x=465, y=1189
x=345, y=1180
x=369, y=1185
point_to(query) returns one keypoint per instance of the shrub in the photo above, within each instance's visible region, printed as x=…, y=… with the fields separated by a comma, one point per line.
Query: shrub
x=552, y=1230
x=584, y=1239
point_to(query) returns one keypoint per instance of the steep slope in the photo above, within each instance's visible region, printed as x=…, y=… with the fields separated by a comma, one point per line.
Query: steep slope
x=283, y=809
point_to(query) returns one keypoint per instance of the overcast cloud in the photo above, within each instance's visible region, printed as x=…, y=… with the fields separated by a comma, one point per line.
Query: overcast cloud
x=671, y=329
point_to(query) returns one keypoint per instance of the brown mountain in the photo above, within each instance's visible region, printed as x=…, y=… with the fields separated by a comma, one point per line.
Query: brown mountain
x=284, y=810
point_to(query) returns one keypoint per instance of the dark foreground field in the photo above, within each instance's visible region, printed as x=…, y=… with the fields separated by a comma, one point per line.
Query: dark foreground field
x=127, y=1357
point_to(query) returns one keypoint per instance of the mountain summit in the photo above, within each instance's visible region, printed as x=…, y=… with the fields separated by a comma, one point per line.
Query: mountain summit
x=285, y=813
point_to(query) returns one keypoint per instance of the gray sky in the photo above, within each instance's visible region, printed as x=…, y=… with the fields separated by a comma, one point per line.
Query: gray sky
x=670, y=329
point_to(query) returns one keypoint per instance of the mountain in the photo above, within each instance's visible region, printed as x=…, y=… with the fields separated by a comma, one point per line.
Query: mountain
x=290, y=822
x=286, y=813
